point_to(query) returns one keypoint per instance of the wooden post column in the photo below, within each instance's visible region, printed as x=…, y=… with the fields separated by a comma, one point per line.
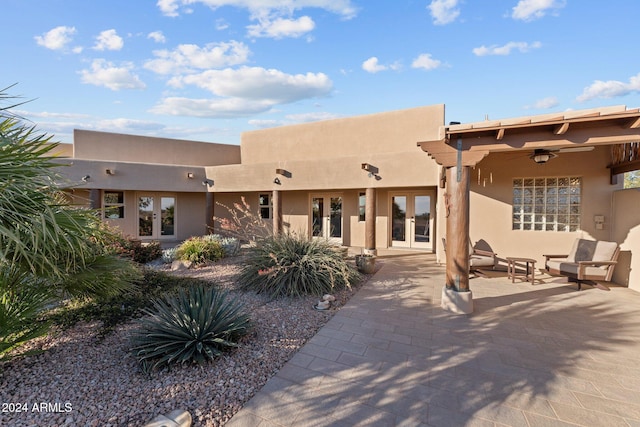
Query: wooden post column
x=210, y=212
x=370, y=222
x=457, y=214
x=277, y=212
x=456, y=295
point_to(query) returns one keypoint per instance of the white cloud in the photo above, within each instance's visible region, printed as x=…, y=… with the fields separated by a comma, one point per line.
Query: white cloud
x=261, y=84
x=210, y=108
x=544, y=103
x=104, y=73
x=244, y=91
x=340, y=7
x=221, y=24
x=372, y=65
x=506, y=49
x=529, y=10
x=426, y=62
x=610, y=89
x=189, y=57
x=274, y=18
x=281, y=27
x=108, y=40
x=57, y=38
x=157, y=37
x=128, y=125
x=444, y=11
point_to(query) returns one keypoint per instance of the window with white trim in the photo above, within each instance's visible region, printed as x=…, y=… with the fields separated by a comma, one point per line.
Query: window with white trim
x=113, y=204
x=547, y=204
x=265, y=206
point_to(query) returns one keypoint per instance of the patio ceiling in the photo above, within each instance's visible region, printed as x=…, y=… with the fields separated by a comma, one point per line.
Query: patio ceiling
x=467, y=144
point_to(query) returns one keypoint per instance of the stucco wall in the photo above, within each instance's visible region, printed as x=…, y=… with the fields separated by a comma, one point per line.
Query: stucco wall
x=189, y=215
x=394, y=131
x=133, y=148
x=491, y=202
x=626, y=231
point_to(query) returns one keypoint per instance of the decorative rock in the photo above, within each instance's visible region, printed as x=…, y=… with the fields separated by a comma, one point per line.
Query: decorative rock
x=181, y=265
x=176, y=418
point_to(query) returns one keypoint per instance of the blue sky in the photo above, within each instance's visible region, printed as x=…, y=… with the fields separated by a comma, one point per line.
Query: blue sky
x=209, y=70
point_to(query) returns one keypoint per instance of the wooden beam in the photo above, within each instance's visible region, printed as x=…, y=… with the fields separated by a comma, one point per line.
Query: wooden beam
x=500, y=134
x=631, y=166
x=634, y=124
x=561, y=129
x=446, y=155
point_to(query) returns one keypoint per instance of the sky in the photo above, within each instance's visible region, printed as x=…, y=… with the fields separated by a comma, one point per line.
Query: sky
x=208, y=70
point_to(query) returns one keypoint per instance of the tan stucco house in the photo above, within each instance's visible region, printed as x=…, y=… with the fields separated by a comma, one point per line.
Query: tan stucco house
x=384, y=180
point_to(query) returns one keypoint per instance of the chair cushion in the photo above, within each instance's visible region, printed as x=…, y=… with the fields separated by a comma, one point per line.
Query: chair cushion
x=584, y=250
x=604, y=251
x=571, y=268
x=480, y=261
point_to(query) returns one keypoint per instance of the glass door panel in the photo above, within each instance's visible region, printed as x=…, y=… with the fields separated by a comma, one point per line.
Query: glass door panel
x=399, y=219
x=335, y=218
x=412, y=220
x=326, y=218
x=167, y=216
x=156, y=216
x=422, y=220
x=146, y=216
x=317, y=217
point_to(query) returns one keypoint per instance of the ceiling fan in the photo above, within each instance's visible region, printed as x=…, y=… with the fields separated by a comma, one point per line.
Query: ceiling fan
x=541, y=155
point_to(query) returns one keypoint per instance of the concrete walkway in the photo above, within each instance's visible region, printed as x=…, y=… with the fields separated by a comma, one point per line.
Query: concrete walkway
x=529, y=355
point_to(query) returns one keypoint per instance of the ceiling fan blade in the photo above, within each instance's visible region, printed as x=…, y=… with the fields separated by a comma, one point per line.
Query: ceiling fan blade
x=576, y=149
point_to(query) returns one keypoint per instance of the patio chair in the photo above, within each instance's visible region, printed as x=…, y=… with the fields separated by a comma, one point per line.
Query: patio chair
x=478, y=258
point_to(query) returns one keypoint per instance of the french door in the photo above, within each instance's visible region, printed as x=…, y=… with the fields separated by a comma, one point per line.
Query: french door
x=412, y=220
x=326, y=217
x=156, y=216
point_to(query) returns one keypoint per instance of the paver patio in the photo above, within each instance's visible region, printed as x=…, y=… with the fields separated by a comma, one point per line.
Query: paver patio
x=529, y=355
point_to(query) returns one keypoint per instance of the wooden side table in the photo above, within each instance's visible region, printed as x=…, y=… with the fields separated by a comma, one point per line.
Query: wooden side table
x=530, y=269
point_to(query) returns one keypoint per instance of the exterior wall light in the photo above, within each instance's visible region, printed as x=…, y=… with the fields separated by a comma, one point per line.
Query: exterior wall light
x=86, y=178
x=190, y=175
x=367, y=167
x=207, y=182
x=276, y=180
x=110, y=172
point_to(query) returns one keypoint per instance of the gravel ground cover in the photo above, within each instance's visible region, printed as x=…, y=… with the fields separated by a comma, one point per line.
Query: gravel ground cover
x=81, y=381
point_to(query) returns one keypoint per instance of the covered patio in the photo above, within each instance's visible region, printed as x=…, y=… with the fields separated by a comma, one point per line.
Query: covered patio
x=529, y=355
x=461, y=147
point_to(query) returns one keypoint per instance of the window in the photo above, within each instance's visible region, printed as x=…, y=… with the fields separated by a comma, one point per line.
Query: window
x=265, y=206
x=113, y=204
x=547, y=204
x=362, y=201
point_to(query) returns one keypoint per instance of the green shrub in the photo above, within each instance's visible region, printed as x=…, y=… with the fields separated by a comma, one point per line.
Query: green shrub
x=199, y=250
x=230, y=245
x=134, y=249
x=114, y=310
x=195, y=325
x=292, y=265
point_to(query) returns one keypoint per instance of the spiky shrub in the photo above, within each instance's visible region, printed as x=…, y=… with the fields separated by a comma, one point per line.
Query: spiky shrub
x=294, y=265
x=200, y=250
x=196, y=325
x=169, y=255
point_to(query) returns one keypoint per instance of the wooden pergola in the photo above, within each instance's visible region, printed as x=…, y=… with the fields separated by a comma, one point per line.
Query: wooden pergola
x=462, y=146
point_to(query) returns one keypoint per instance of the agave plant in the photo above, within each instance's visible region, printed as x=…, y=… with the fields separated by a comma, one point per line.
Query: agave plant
x=196, y=325
x=294, y=265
